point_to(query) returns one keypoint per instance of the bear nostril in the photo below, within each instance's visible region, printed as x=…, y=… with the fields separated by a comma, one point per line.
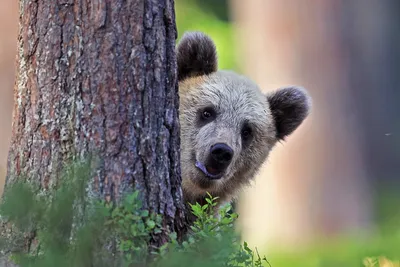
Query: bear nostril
x=222, y=153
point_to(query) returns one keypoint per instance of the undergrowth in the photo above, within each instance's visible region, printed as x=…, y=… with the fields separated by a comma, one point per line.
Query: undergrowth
x=67, y=228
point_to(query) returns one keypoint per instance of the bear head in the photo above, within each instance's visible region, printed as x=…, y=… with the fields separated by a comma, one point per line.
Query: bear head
x=228, y=126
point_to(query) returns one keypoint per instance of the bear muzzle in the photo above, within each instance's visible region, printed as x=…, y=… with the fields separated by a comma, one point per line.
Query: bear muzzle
x=217, y=162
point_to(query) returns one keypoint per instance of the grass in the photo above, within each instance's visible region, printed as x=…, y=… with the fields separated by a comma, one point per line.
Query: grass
x=380, y=249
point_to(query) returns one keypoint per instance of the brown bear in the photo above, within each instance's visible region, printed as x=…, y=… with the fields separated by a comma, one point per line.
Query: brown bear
x=228, y=126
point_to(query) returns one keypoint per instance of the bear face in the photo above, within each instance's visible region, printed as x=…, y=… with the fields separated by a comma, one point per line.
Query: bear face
x=228, y=126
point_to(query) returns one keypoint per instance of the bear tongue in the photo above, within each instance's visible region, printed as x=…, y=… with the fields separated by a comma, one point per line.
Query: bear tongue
x=212, y=171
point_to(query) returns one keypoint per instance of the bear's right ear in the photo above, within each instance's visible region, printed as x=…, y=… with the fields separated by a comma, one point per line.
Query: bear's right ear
x=196, y=55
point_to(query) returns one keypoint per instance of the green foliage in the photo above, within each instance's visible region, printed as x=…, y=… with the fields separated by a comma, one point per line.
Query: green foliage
x=212, y=242
x=380, y=262
x=53, y=218
x=67, y=228
x=132, y=227
x=219, y=8
x=193, y=16
x=350, y=250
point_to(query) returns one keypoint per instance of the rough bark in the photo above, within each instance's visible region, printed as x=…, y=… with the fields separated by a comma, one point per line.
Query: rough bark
x=99, y=77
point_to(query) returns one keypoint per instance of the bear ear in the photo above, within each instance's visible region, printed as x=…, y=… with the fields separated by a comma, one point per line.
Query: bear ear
x=289, y=107
x=196, y=55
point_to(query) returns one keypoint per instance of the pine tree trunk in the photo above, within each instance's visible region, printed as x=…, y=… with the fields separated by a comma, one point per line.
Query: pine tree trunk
x=99, y=77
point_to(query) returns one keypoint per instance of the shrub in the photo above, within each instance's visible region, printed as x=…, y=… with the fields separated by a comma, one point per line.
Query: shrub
x=67, y=228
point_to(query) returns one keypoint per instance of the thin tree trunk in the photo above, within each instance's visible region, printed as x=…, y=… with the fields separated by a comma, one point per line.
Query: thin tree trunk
x=99, y=77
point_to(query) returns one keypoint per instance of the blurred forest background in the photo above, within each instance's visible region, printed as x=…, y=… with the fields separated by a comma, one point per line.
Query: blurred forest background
x=330, y=195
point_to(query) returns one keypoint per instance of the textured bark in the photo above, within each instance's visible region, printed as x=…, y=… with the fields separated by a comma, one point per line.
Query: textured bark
x=99, y=77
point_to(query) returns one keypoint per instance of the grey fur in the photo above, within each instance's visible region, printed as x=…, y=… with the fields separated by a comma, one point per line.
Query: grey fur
x=237, y=101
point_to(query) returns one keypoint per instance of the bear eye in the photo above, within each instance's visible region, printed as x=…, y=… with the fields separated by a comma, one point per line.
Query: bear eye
x=208, y=114
x=247, y=132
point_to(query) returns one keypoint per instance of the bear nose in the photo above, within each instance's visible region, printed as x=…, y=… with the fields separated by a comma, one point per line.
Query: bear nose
x=217, y=161
x=222, y=154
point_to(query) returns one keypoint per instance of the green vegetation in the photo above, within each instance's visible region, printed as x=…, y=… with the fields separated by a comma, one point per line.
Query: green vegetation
x=353, y=251
x=71, y=229
x=191, y=16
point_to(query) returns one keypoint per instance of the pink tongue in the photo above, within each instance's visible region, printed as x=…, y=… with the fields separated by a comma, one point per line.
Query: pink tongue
x=211, y=171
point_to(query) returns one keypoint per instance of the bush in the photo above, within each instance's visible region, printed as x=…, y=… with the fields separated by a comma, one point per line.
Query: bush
x=67, y=228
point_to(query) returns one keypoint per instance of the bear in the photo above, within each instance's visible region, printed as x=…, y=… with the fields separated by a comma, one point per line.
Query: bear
x=228, y=126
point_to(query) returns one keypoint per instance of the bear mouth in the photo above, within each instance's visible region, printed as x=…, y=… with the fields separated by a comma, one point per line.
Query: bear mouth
x=208, y=171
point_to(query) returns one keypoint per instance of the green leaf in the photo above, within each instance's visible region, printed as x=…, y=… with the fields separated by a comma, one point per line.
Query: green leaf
x=151, y=224
x=204, y=207
x=145, y=213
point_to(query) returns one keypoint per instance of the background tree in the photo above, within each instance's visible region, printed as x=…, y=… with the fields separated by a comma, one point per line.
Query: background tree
x=315, y=192
x=8, y=49
x=323, y=181
x=99, y=78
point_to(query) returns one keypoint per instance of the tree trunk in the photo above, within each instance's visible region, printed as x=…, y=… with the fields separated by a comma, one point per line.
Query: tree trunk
x=8, y=49
x=99, y=77
x=315, y=185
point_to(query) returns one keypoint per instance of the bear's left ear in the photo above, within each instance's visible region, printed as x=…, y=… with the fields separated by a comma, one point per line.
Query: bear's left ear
x=289, y=107
x=196, y=55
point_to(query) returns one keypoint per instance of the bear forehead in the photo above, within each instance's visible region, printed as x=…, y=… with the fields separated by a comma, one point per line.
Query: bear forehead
x=227, y=91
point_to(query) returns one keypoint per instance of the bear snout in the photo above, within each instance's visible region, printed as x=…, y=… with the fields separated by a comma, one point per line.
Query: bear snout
x=219, y=158
x=217, y=161
x=221, y=154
